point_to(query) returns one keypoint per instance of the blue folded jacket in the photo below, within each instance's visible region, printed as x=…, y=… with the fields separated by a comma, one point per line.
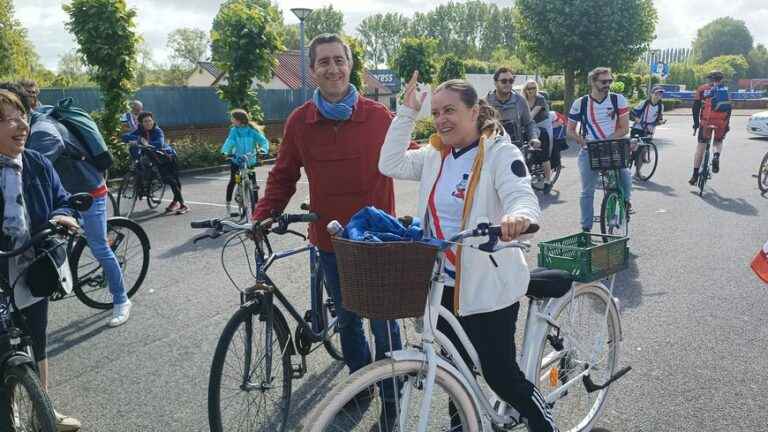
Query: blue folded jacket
x=373, y=225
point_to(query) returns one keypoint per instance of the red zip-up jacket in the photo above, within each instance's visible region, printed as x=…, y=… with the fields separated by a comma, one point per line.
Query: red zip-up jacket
x=341, y=161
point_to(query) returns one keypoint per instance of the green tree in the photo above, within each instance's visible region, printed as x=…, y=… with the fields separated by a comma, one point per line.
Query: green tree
x=684, y=74
x=416, y=54
x=723, y=36
x=104, y=30
x=451, y=68
x=188, y=46
x=576, y=36
x=289, y=34
x=758, y=62
x=358, y=71
x=18, y=58
x=324, y=20
x=245, y=40
x=381, y=35
x=734, y=67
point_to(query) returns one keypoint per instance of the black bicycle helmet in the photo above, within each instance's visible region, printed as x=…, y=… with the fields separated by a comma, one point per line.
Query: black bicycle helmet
x=716, y=75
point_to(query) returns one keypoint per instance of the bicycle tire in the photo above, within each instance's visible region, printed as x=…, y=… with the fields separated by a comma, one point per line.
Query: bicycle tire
x=653, y=152
x=343, y=399
x=128, y=194
x=156, y=190
x=90, y=283
x=555, y=174
x=613, y=215
x=333, y=344
x=704, y=173
x=762, y=175
x=113, y=208
x=571, y=360
x=42, y=417
x=249, y=314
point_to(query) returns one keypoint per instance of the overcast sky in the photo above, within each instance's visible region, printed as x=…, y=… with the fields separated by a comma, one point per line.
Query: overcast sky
x=679, y=19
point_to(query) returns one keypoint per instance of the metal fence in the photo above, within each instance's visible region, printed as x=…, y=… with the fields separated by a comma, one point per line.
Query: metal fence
x=183, y=106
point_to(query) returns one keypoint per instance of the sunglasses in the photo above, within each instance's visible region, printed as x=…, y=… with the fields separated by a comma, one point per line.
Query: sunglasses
x=531, y=88
x=506, y=81
x=604, y=82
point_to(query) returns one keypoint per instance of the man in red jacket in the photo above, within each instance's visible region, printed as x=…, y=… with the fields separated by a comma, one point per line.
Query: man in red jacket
x=336, y=137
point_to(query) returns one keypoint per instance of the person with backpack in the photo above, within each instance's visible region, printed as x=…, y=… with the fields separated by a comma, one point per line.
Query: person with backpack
x=241, y=146
x=711, y=107
x=603, y=115
x=79, y=173
x=149, y=133
x=648, y=114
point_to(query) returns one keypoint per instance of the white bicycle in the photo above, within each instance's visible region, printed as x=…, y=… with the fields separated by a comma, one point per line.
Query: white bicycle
x=570, y=352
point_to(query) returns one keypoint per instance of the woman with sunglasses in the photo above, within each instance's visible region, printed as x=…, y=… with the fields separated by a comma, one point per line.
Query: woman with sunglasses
x=540, y=115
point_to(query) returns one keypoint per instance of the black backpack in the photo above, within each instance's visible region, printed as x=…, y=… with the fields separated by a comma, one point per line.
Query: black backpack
x=583, y=110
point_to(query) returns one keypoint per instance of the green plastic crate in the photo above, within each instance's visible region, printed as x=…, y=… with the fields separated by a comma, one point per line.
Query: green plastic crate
x=587, y=257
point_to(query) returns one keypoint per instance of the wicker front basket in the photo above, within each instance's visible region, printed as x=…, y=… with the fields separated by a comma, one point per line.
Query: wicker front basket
x=384, y=280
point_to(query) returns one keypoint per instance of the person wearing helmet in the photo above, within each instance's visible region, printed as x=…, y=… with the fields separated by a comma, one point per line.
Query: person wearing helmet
x=710, y=108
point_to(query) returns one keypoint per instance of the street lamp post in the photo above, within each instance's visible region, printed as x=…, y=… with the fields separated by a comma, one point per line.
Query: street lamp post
x=654, y=53
x=302, y=14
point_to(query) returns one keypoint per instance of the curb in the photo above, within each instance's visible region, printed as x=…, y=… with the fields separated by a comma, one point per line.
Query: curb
x=195, y=171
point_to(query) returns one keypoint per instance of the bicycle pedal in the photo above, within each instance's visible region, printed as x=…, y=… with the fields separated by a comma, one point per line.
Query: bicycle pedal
x=298, y=371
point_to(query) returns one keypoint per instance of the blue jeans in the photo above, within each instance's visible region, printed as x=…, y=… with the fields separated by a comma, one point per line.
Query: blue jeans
x=589, y=179
x=353, y=343
x=94, y=221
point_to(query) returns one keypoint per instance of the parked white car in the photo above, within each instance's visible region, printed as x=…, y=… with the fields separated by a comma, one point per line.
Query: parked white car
x=758, y=124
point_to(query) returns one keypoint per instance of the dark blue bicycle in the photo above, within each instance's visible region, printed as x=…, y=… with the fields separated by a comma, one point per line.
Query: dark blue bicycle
x=255, y=359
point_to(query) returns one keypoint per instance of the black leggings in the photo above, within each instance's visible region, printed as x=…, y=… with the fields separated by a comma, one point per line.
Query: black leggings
x=233, y=170
x=493, y=335
x=169, y=171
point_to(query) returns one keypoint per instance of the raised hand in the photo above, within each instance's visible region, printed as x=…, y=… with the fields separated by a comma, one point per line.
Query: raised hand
x=413, y=97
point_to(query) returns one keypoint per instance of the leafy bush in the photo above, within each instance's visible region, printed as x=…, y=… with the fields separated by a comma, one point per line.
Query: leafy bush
x=558, y=106
x=670, y=104
x=424, y=129
x=451, y=68
x=555, y=88
x=197, y=152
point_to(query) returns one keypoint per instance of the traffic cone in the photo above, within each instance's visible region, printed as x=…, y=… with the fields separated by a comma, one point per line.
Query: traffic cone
x=760, y=263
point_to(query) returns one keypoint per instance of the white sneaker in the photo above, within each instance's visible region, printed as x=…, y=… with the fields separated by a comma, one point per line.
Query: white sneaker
x=120, y=314
x=66, y=423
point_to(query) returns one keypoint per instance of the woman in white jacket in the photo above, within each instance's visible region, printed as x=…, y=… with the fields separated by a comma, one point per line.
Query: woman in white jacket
x=466, y=178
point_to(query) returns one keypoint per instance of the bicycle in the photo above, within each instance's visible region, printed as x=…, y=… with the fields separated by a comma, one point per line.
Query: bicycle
x=143, y=180
x=608, y=157
x=705, y=170
x=645, y=158
x=254, y=354
x=762, y=175
x=131, y=246
x=554, y=355
x=246, y=193
x=29, y=405
x=533, y=158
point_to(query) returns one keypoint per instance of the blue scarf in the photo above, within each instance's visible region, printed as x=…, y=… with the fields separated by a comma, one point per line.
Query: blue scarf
x=341, y=110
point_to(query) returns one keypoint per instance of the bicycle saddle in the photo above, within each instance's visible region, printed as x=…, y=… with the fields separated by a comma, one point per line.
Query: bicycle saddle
x=547, y=283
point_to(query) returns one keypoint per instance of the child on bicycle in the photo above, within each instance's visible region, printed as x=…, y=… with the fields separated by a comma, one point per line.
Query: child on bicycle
x=470, y=173
x=648, y=114
x=241, y=146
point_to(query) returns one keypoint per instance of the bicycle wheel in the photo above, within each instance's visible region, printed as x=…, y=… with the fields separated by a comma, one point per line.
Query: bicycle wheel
x=646, y=160
x=30, y=407
x=112, y=207
x=762, y=175
x=156, y=189
x=355, y=404
x=589, y=338
x=131, y=246
x=128, y=194
x=555, y=174
x=250, y=383
x=704, y=173
x=613, y=215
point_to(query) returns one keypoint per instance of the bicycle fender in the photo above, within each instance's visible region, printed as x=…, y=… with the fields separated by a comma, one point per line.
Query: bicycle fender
x=14, y=359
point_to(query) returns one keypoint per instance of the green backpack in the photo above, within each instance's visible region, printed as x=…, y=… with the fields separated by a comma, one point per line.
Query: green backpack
x=81, y=124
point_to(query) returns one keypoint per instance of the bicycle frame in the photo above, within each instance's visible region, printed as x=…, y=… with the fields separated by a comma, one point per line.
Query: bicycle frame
x=538, y=322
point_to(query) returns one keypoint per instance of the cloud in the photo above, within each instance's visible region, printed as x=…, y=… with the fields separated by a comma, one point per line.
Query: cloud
x=678, y=19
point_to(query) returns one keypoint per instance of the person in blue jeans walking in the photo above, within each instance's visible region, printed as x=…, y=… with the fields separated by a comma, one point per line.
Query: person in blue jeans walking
x=336, y=138
x=48, y=137
x=603, y=115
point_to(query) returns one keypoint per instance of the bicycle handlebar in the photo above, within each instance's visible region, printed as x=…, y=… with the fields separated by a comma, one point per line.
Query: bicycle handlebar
x=48, y=231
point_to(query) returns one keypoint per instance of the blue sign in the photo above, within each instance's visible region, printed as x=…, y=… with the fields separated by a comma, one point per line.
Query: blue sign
x=660, y=69
x=387, y=78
